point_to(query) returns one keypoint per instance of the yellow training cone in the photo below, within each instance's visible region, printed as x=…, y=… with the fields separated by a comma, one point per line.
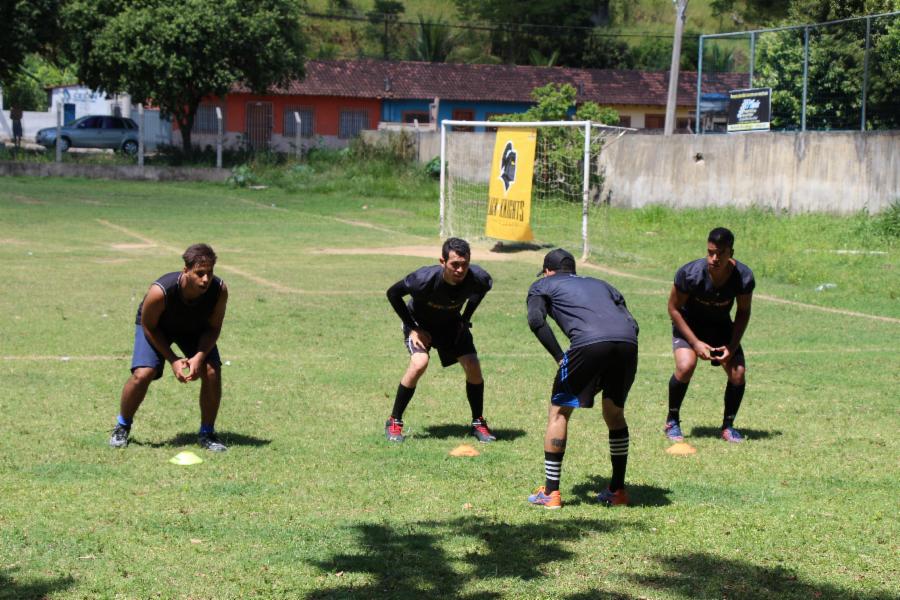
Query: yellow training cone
x=185, y=458
x=464, y=450
x=681, y=449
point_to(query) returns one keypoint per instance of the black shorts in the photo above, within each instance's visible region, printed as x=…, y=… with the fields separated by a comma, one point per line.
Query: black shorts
x=714, y=336
x=586, y=370
x=452, y=340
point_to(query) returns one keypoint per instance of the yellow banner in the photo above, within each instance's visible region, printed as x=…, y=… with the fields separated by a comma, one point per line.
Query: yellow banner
x=509, y=193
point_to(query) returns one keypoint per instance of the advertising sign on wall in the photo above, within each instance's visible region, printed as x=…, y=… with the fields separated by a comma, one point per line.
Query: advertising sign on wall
x=749, y=110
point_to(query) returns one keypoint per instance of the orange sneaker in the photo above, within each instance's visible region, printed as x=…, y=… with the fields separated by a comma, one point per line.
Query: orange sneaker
x=550, y=501
x=613, y=498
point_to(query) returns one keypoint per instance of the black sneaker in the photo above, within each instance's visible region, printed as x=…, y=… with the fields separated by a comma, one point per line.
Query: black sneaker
x=119, y=437
x=480, y=430
x=209, y=441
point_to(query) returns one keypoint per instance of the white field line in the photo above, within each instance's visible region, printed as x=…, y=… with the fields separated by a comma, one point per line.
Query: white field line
x=764, y=297
x=287, y=289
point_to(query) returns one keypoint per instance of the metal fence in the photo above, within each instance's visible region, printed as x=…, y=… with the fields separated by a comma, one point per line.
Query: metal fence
x=838, y=75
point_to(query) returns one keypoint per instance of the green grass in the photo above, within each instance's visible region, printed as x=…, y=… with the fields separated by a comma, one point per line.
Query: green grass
x=311, y=502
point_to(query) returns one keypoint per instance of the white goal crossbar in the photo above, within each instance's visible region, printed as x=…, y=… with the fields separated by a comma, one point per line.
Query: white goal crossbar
x=611, y=133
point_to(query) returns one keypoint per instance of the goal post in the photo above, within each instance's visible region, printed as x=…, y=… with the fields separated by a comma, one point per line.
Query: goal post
x=566, y=180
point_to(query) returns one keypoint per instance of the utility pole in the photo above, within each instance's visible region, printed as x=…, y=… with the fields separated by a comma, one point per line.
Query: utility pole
x=680, y=8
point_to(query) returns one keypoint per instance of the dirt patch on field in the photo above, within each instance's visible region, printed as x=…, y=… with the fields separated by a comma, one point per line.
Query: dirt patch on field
x=27, y=200
x=112, y=261
x=132, y=246
x=11, y=242
x=434, y=252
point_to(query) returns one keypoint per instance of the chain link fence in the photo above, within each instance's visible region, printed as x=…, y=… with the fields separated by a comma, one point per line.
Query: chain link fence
x=839, y=75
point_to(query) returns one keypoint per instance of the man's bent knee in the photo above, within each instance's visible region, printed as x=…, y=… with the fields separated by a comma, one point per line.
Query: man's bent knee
x=143, y=376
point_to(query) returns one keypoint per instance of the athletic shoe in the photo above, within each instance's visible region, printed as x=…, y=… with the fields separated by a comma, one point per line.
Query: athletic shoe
x=480, y=430
x=610, y=498
x=209, y=441
x=119, y=438
x=673, y=431
x=730, y=434
x=550, y=501
x=393, y=430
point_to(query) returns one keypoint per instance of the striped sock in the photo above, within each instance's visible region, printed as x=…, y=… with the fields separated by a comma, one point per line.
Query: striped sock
x=618, y=454
x=552, y=470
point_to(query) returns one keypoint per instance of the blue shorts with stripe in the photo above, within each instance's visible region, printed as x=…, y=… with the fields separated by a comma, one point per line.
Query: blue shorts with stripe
x=145, y=355
x=607, y=367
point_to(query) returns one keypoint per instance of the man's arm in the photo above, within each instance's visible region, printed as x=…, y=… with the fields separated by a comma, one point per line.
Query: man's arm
x=677, y=299
x=419, y=337
x=154, y=304
x=210, y=336
x=741, y=320
x=471, y=304
x=537, y=321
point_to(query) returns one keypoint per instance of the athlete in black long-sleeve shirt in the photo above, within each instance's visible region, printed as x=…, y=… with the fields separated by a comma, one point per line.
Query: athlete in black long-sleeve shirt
x=602, y=356
x=435, y=317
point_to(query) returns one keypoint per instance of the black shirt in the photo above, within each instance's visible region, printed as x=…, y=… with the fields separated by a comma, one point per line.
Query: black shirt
x=587, y=310
x=434, y=301
x=180, y=318
x=708, y=305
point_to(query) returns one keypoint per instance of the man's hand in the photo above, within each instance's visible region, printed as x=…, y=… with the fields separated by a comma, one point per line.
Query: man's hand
x=195, y=363
x=420, y=339
x=703, y=350
x=178, y=367
x=725, y=354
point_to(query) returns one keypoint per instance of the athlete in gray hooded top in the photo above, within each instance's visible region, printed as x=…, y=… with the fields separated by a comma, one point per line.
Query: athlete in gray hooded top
x=602, y=357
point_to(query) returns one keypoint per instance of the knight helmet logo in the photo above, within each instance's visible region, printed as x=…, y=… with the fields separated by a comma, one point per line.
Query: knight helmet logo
x=508, y=166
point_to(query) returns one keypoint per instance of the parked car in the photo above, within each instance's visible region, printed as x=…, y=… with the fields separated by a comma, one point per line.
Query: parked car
x=93, y=131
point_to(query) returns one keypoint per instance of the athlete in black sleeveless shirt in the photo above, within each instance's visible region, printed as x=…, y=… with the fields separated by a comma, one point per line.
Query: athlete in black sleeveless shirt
x=432, y=319
x=602, y=356
x=700, y=305
x=186, y=307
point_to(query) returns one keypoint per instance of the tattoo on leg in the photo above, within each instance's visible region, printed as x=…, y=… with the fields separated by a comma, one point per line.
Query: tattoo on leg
x=558, y=443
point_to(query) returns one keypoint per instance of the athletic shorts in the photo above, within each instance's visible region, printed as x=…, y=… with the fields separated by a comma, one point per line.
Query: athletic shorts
x=585, y=371
x=714, y=336
x=145, y=355
x=451, y=340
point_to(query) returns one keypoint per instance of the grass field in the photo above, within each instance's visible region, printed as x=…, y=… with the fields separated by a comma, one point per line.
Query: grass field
x=311, y=501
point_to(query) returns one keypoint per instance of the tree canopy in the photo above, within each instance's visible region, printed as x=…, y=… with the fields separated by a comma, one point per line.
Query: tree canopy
x=175, y=53
x=28, y=27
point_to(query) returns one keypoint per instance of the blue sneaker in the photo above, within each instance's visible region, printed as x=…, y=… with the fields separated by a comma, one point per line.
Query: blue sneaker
x=730, y=434
x=673, y=431
x=550, y=501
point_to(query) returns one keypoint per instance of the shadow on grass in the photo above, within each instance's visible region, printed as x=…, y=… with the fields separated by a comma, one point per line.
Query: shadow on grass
x=750, y=434
x=11, y=589
x=640, y=495
x=509, y=247
x=190, y=439
x=700, y=575
x=410, y=562
x=443, y=432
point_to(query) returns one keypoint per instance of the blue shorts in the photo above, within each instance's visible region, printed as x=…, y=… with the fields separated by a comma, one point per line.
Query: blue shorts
x=145, y=355
x=607, y=367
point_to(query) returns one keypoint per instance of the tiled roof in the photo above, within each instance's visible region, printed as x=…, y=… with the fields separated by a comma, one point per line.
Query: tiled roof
x=511, y=83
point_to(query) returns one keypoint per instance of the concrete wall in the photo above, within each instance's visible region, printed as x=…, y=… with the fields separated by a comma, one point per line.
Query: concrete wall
x=839, y=172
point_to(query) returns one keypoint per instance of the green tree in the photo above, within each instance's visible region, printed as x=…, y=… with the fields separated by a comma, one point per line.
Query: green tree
x=836, y=63
x=547, y=26
x=386, y=12
x=29, y=26
x=434, y=41
x=602, y=52
x=176, y=53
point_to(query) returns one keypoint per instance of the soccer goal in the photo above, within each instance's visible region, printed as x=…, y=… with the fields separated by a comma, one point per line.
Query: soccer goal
x=567, y=184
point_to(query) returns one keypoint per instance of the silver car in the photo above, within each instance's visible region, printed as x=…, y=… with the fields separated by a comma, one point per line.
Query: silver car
x=93, y=131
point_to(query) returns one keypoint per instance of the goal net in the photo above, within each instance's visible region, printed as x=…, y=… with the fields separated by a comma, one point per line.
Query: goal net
x=567, y=185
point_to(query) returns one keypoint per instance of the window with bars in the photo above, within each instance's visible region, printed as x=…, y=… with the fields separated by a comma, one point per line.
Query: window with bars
x=306, y=121
x=351, y=122
x=205, y=120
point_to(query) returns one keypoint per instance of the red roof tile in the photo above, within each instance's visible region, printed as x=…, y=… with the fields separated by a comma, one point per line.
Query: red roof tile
x=510, y=83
